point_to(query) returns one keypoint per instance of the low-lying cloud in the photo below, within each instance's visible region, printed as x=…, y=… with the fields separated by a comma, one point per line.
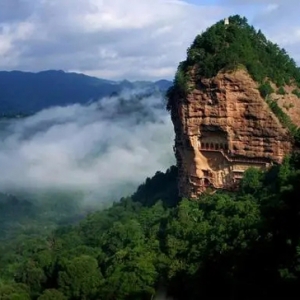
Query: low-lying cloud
x=106, y=148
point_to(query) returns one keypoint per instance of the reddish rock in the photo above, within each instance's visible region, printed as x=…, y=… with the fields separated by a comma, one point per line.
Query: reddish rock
x=222, y=128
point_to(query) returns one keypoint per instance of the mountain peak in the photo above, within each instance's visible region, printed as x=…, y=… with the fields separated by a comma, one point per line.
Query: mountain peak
x=230, y=105
x=228, y=46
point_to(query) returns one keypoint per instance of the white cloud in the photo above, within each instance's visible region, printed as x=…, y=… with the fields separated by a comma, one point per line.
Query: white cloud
x=109, y=38
x=279, y=20
x=102, y=148
x=130, y=39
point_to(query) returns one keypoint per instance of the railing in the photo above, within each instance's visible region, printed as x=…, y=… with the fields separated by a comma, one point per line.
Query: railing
x=234, y=158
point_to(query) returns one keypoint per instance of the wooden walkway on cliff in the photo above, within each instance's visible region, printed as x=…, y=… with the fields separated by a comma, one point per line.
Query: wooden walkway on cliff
x=233, y=158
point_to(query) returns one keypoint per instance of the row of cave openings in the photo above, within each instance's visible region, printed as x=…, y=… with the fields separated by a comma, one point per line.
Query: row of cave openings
x=213, y=146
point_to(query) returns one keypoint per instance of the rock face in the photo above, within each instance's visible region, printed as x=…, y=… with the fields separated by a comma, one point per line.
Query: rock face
x=222, y=127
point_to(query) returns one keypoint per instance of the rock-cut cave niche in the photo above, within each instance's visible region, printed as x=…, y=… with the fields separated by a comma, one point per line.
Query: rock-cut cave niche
x=212, y=138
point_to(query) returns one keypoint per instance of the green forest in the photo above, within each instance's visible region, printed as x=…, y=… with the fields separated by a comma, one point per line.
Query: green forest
x=242, y=245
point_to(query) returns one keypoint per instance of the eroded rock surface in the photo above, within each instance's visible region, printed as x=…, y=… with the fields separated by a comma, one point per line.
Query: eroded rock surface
x=222, y=128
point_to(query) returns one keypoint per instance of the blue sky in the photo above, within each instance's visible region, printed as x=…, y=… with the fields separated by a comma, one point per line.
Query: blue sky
x=245, y=8
x=133, y=39
x=204, y=2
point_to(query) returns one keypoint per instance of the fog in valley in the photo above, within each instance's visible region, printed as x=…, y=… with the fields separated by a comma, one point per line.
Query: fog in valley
x=102, y=150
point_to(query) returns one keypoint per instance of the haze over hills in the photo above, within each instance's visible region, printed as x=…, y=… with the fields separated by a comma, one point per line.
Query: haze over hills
x=28, y=92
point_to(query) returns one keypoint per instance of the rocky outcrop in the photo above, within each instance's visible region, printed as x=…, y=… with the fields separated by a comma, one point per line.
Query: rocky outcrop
x=222, y=127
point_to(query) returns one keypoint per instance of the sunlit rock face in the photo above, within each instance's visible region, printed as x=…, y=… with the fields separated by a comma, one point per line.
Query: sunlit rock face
x=222, y=127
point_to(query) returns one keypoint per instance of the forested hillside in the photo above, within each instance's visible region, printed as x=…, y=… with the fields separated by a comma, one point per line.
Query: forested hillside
x=224, y=48
x=229, y=246
x=238, y=43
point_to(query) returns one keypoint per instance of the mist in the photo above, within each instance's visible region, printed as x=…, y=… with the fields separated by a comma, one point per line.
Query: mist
x=104, y=149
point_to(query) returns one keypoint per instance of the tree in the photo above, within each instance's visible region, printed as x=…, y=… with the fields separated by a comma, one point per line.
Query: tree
x=14, y=291
x=31, y=274
x=252, y=181
x=131, y=274
x=52, y=294
x=80, y=278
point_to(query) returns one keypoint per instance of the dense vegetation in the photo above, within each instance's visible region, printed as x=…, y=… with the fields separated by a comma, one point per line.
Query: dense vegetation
x=230, y=246
x=226, y=47
x=236, y=45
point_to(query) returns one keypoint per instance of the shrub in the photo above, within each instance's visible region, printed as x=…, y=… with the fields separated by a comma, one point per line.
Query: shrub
x=296, y=92
x=265, y=89
x=281, y=91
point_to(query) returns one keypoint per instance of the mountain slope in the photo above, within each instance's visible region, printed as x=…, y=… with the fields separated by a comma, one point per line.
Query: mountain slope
x=28, y=92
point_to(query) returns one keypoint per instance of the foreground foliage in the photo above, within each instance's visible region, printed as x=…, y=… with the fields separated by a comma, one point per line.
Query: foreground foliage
x=235, y=246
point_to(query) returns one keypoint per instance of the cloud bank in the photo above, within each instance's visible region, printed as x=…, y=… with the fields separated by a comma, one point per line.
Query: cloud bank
x=106, y=148
x=131, y=39
x=112, y=39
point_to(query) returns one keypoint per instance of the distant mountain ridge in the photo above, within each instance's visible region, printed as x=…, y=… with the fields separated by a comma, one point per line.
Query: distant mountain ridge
x=28, y=92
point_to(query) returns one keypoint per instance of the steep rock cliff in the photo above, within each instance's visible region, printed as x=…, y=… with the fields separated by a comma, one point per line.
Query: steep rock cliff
x=222, y=127
x=234, y=104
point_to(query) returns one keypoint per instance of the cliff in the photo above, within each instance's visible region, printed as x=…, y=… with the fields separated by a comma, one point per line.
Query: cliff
x=234, y=104
x=223, y=127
